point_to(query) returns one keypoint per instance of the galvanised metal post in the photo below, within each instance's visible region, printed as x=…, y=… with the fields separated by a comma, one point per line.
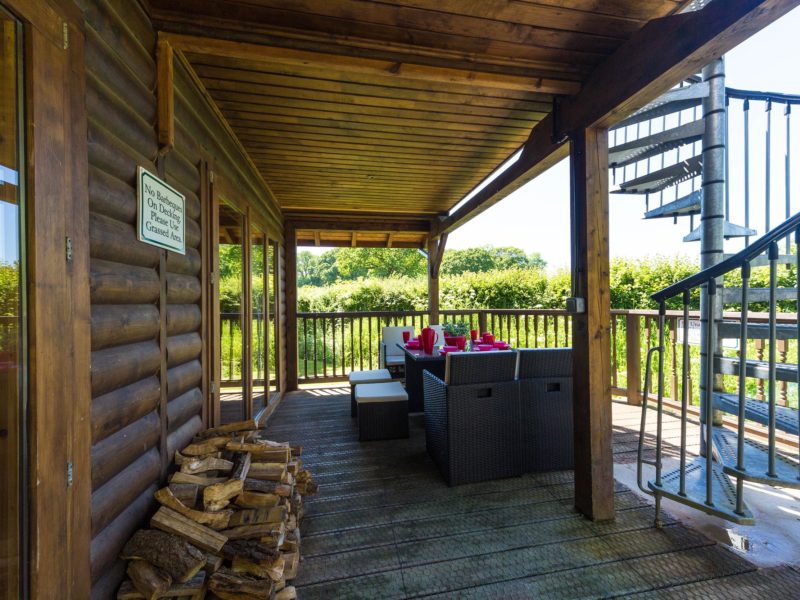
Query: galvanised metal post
x=712, y=213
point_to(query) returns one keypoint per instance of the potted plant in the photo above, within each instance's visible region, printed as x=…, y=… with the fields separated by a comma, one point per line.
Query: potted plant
x=455, y=333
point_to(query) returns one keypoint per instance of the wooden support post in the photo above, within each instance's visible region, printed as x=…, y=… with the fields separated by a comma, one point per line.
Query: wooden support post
x=633, y=359
x=166, y=97
x=594, y=466
x=290, y=239
x=435, y=254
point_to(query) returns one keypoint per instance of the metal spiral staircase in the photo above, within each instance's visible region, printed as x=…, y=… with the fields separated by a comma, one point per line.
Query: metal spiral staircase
x=658, y=152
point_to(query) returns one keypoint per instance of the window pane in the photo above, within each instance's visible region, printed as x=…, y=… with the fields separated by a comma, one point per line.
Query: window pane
x=231, y=286
x=258, y=330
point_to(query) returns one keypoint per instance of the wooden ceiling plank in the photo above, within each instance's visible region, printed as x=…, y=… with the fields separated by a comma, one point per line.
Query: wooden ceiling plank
x=244, y=50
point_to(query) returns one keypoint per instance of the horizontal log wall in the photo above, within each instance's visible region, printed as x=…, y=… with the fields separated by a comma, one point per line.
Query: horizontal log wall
x=132, y=436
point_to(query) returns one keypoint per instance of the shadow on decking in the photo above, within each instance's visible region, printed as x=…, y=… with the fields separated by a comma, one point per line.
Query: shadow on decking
x=384, y=525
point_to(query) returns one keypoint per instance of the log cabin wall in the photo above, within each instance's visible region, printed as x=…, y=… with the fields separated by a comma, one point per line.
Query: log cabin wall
x=146, y=304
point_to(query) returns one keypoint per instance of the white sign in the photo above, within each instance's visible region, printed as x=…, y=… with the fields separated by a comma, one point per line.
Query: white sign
x=162, y=213
x=696, y=333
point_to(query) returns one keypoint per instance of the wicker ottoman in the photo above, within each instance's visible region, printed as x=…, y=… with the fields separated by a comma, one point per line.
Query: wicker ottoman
x=382, y=411
x=358, y=377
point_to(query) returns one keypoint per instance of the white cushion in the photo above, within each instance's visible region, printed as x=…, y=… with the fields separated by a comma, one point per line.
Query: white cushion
x=395, y=360
x=392, y=336
x=374, y=376
x=439, y=337
x=381, y=392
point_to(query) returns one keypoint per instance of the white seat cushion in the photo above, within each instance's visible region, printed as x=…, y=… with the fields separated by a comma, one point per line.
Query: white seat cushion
x=381, y=392
x=391, y=361
x=374, y=376
x=392, y=336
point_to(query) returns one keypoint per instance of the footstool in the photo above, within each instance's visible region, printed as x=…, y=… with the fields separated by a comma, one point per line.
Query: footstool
x=382, y=411
x=357, y=377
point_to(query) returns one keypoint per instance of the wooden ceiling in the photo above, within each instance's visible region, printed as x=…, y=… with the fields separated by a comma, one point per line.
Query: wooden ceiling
x=397, y=106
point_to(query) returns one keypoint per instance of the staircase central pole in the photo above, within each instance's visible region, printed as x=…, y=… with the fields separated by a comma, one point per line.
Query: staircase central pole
x=712, y=218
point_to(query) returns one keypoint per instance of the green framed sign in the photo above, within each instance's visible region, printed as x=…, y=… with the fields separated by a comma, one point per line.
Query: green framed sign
x=162, y=213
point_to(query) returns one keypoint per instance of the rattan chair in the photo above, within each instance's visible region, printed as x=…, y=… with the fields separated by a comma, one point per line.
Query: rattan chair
x=472, y=417
x=545, y=382
x=391, y=355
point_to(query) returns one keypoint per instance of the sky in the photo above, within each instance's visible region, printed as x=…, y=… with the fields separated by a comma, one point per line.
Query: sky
x=536, y=217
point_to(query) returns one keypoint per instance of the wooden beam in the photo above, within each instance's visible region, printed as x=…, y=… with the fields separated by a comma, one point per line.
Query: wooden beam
x=360, y=222
x=594, y=462
x=166, y=97
x=389, y=240
x=435, y=254
x=663, y=53
x=368, y=66
x=290, y=237
x=316, y=237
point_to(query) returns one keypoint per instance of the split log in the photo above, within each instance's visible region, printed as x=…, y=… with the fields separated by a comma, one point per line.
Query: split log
x=256, y=500
x=209, y=446
x=292, y=562
x=230, y=428
x=215, y=520
x=179, y=559
x=241, y=466
x=195, y=479
x=267, y=487
x=269, y=471
x=267, y=569
x=199, y=535
x=202, y=465
x=214, y=563
x=256, y=530
x=185, y=492
x=274, y=515
x=287, y=593
x=218, y=493
x=194, y=588
x=230, y=586
x=148, y=580
x=262, y=451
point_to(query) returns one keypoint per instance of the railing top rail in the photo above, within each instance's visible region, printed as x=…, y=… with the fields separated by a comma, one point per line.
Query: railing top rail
x=776, y=97
x=736, y=261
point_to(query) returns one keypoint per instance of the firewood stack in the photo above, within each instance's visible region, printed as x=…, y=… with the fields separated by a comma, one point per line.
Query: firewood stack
x=228, y=524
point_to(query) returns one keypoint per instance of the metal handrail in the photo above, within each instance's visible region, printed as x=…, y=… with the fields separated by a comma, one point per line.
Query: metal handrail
x=775, y=97
x=736, y=261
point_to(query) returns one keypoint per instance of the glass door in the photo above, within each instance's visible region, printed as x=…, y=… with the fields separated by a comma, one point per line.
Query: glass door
x=272, y=316
x=12, y=311
x=231, y=312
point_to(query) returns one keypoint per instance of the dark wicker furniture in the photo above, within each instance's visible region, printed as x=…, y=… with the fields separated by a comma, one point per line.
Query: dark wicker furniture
x=417, y=362
x=382, y=411
x=545, y=385
x=472, y=421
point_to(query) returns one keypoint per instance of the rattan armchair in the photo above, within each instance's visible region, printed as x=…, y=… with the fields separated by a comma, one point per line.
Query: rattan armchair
x=472, y=417
x=545, y=384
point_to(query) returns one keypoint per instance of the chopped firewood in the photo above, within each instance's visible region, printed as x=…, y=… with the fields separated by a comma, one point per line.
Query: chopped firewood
x=185, y=492
x=151, y=582
x=178, y=558
x=196, y=479
x=229, y=428
x=241, y=465
x=276, y=514
x=194, y=588
x=193, y=466
x=256, y=500
x=287, y=593
x=222, y=492
x=292, y=541
x=201, y=536
x=267, y=487
x=213, y=563
x=217, y=506
x=267, y=569
x=261, y=451
x=215, y=520
x=297, y=451
x=292, y=562
x=230, y=586
x=255, y=530
x=209, y=446
x=269, y=471
x=294, y=467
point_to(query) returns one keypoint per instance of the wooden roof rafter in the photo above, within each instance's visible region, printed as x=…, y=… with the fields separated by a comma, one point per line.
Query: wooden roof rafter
x=354, y=230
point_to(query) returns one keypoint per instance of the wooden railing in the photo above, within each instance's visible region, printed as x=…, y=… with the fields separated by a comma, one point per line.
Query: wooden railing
x=332, y=344
x=231, y=350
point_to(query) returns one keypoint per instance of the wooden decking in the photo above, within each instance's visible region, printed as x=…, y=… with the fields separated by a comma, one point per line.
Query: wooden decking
x=384, y=525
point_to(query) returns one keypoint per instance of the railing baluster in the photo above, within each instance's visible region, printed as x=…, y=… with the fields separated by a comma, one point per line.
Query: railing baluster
x=684, y=391
x=746, y=110
x=305, y=348
x=740, y=463
x=527, y=330
x=797, y=319
x=662, y=310
x=709, y=390
x=325, y=347
x=767, y=177
x=614, y=367
x=361, y=342
x=773, y=284
x=788, y=170
x=316, y=342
